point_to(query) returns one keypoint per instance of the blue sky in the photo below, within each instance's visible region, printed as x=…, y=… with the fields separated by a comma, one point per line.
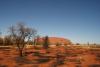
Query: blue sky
x=77, y=20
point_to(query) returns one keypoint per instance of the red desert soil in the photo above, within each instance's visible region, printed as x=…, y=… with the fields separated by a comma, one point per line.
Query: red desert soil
x=73, y=57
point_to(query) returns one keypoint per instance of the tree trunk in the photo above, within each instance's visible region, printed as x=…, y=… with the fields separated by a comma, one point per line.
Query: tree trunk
x=21, y=53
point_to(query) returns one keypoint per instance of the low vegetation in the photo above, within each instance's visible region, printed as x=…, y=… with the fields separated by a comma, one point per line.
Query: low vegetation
x=21, y=48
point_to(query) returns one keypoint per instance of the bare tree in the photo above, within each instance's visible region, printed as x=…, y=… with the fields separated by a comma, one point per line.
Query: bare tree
x=21, y=36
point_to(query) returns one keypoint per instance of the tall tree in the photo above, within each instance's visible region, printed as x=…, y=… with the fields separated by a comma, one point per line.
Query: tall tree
x=46, y=42
x=21, y=35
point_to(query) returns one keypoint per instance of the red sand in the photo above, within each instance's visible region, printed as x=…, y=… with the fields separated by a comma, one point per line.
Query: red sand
x=84, y=56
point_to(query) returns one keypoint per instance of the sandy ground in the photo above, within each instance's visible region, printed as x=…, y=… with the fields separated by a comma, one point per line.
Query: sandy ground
x=71, y=56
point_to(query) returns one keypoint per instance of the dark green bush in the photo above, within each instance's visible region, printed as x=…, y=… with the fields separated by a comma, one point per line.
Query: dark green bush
x=43, y=60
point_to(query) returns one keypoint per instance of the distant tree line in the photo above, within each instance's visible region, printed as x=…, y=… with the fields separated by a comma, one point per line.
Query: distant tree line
x=6, y=40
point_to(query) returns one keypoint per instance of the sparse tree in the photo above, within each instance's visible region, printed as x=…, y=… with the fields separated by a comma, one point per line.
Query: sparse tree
x=21, y=36
x=46, y=42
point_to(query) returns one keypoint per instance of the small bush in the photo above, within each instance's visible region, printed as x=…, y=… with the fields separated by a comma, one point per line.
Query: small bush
x=43, y=60
x=37, y=48
x=36, y=54
x=60, y=59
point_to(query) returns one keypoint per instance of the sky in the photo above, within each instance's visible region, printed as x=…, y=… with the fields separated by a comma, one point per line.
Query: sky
x=77, y=20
